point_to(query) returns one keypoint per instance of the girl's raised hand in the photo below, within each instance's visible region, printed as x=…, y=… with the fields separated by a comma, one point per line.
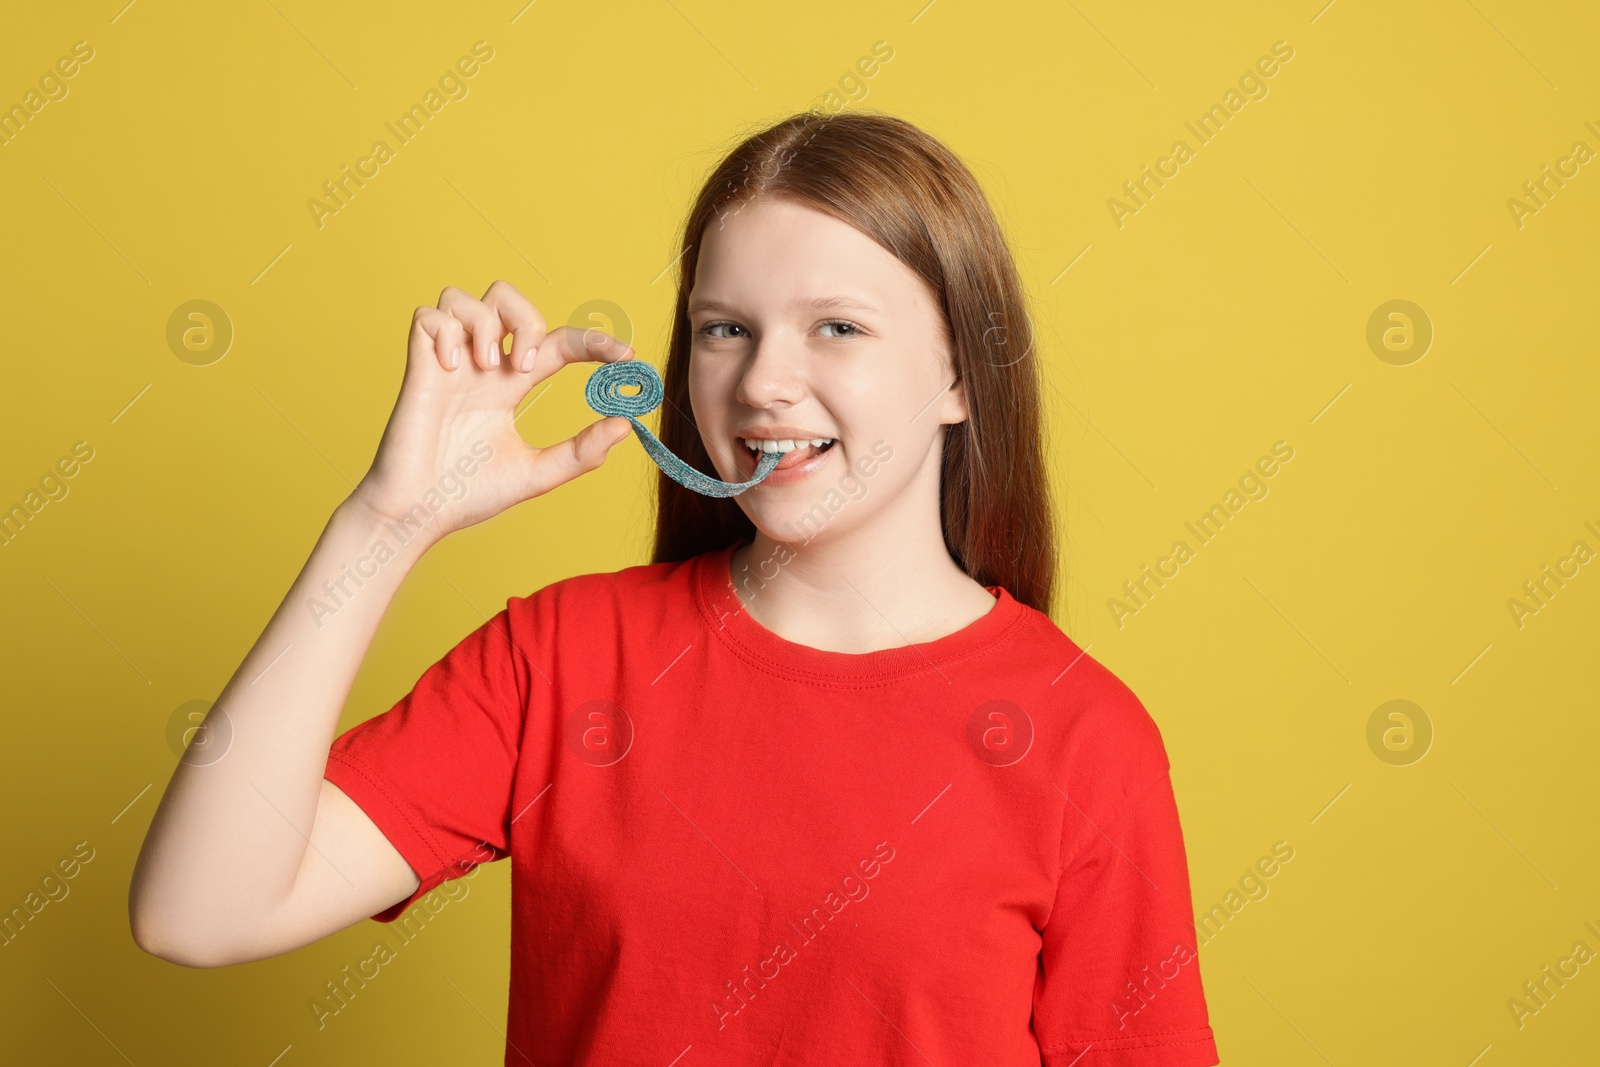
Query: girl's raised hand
x=451, y=436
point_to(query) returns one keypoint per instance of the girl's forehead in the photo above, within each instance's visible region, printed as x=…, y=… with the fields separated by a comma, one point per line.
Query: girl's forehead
x=795, y=278
x=791, y=300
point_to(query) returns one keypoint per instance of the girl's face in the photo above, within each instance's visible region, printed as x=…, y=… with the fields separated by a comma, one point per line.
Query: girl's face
x=805, y=328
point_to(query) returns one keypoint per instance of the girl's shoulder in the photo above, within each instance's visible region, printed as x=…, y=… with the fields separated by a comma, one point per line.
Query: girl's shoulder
x=1096, y=717
x=613, y=600
x=630, y=580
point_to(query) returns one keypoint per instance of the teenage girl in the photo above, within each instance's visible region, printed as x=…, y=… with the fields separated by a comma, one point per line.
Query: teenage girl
x=822, y=783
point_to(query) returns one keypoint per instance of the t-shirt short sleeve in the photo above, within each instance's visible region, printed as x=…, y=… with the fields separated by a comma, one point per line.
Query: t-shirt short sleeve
x=1119, y=982
x=435, y=772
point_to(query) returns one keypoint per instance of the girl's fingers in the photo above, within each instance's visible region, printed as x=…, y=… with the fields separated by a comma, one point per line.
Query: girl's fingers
x=535, y=348
x=521, y=319
x=439, y=332
x=483, y=327
x=569, y=344
x=563, y=461
x=451, y=340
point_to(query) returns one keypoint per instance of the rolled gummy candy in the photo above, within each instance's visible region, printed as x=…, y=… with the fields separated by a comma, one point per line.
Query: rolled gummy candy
x=605, y=396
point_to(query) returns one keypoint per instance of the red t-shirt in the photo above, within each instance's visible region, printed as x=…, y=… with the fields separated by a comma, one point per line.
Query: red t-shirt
x=729, y=848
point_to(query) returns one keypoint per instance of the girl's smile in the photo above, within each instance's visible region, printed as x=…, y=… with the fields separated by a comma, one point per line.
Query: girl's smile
x=802, y=456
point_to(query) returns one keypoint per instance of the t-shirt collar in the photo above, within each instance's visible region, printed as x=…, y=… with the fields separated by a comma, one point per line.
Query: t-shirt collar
x=726, y=616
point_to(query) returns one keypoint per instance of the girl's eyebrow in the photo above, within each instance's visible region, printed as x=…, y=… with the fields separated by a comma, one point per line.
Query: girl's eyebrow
x=814, y=304
x=818, y=303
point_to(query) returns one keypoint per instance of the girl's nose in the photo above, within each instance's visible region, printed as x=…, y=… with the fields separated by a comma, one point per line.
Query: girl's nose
x=774, y=373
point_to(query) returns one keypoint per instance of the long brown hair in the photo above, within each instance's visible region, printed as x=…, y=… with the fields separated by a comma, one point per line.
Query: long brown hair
x=908, y=192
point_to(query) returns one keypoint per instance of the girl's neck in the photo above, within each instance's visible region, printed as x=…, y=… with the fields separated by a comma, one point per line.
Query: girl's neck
x=857, y=591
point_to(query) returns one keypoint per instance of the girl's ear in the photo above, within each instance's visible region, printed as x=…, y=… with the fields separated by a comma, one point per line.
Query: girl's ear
x=954, y=408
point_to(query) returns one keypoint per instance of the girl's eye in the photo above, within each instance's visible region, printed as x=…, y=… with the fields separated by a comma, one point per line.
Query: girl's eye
x=710, y=329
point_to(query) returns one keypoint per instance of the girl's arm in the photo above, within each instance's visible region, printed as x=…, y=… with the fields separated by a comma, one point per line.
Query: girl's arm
x=252, y=852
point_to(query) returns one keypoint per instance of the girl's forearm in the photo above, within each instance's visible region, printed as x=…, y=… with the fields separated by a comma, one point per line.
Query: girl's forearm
x=232, y=829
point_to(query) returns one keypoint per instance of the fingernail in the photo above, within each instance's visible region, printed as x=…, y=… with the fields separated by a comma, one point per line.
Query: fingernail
x=455, y=357
x=494, y=356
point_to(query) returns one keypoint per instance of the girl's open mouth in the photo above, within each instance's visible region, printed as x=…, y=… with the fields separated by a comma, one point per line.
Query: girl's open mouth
x=800, y=452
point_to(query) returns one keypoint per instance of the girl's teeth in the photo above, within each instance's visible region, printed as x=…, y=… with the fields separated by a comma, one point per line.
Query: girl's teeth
x=784, y=445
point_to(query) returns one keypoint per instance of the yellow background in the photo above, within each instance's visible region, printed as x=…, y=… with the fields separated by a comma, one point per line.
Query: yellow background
x=1228, y=314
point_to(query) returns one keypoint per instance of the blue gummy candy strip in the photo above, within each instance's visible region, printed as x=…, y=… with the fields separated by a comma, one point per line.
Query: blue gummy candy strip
x=604, y=395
